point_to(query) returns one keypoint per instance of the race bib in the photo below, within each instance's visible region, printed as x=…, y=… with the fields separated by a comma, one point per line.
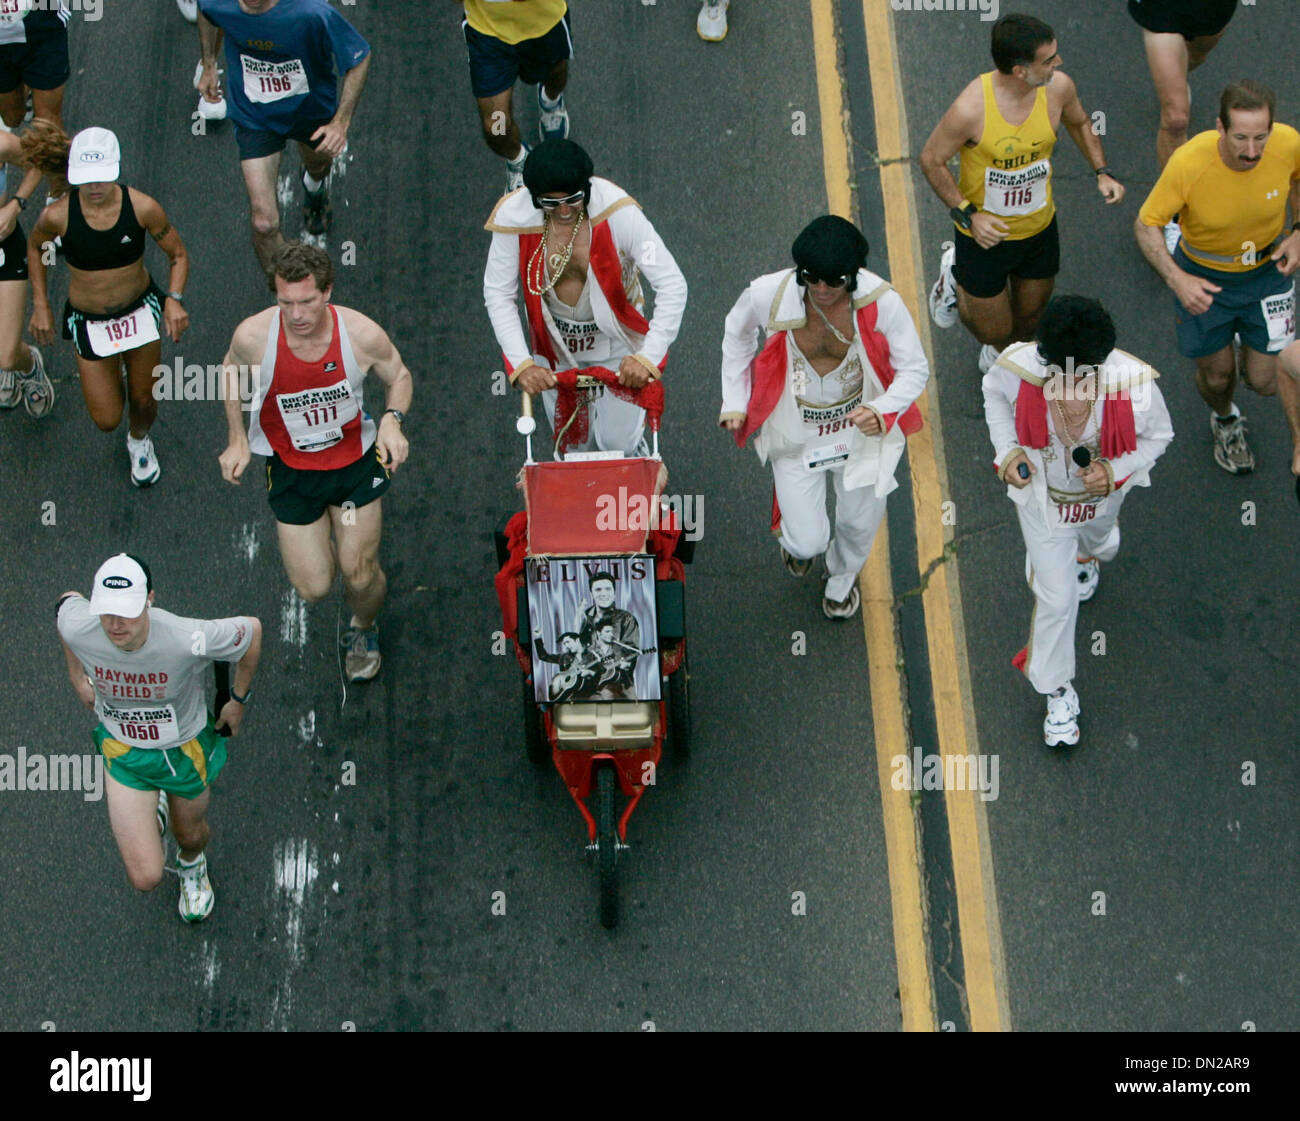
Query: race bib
x=1075, y=513
x=112, y=336
x=142, y=727
x=1010, y=194
x=314, y=418
x=822, y=457
x=273, y=81
x=585, y=341
x=1279, y=317
x=12, y=29
x=829, y=418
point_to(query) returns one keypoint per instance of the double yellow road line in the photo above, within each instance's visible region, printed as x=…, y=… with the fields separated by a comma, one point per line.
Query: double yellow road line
x=972, y=864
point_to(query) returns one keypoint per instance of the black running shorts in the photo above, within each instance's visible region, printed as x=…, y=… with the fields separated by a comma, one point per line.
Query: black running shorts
x=983, y=272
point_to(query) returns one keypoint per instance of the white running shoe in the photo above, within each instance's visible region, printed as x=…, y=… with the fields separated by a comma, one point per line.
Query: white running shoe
x=515, y=170
x=189, y=9
x=712, y=22
x=1062, y=723
x=197, y=896
x=552, y=123
x=1087, y=574
x=842, y=609
x=988, y=355
x=144, y=463
x=1173, y=231
x=943, y=296
x=35, y=387
x=10, y=394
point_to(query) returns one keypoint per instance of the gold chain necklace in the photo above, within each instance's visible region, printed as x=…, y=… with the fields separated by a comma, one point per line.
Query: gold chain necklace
x=1066, y=427
x=544, y=271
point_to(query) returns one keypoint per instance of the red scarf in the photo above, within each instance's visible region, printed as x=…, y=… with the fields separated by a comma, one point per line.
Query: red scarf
x=1118, y=432
x=608, y=269
x=769, y=371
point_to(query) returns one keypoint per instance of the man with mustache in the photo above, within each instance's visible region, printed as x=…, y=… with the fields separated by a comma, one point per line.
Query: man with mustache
x=1231, y=272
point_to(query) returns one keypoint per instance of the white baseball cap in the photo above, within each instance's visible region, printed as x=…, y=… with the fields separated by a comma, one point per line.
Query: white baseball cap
x=121, y=588
x=95, y=157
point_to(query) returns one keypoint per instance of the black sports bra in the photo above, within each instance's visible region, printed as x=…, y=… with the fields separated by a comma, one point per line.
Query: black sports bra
x=95, y=250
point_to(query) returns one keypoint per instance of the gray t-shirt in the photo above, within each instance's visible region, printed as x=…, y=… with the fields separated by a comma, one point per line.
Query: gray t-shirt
x=154, y=696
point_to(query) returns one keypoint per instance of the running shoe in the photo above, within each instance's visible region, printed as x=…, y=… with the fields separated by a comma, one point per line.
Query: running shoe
x=553, y=122
x=794, y=565
x=1173, y=231
x=317, y=213
x=1231, y=452
x=35, y=387
x=712, y=22
x=1087, y=573
x=515, y=170
x=189, y=9
x=164, y=813
x=943, y=296
x=1062, y=723
x=362, y=660
x=10, y=394
x=842, y=609
x=988, y=355
x=196, y=889
x=144, y=463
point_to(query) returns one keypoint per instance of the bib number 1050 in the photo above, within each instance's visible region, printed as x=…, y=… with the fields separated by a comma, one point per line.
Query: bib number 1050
x=140, y=731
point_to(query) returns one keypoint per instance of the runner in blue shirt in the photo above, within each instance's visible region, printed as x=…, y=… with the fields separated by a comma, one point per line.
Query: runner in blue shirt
x=295, y=69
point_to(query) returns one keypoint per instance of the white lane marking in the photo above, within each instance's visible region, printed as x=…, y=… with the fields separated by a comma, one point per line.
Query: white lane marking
x=317, y=240
x=295, y=872
x=293, y=619
x=307, y=727
x=211, y=967
x=246, y=541
x=284, y=189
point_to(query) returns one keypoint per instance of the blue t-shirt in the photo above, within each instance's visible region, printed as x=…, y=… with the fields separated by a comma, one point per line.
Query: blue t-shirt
x=283, y=66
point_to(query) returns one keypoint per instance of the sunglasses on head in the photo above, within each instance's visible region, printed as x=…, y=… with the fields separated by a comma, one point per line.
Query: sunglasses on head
x=570, y=200
x=807, y=279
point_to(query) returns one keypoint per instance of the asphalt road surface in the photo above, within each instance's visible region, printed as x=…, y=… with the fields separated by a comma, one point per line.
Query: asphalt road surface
x=371, y=903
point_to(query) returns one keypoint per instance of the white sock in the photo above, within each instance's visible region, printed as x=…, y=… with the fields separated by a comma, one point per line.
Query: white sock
x=520, y=157
x=547, y=103
x=313, y=185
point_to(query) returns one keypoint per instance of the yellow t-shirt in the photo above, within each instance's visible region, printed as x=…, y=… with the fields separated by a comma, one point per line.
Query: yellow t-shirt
x=1226, y=213
x=1009, y=172
x=513, y=21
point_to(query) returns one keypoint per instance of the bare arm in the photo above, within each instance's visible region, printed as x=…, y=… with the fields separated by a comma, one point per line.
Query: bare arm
x=377, y=354
x=959, y=126
x=210, y=36
x=1193, y=292
x=154, y=219
x=232, y=712
x=242, y=354
x=333, y=137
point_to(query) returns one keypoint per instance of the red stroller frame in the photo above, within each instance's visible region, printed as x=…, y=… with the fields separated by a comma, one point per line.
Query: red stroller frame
x=605, y=746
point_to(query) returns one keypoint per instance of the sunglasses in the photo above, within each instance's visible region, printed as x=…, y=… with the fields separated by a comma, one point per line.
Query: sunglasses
x=807, y=279
x=570, y=200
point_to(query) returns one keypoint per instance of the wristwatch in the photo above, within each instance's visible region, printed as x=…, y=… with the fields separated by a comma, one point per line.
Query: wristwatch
x=401, y=416
x=179, y=297
x=242, y=700
x=963, y=214
x=22, y=202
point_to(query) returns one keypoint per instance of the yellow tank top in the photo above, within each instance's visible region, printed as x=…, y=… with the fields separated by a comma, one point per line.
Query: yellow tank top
x=1009, y=172
x=514, y=21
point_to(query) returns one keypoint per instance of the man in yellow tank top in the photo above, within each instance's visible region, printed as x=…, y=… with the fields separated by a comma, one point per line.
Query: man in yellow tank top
x=1231, y=272
x=999, y=275
x=509, y=41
